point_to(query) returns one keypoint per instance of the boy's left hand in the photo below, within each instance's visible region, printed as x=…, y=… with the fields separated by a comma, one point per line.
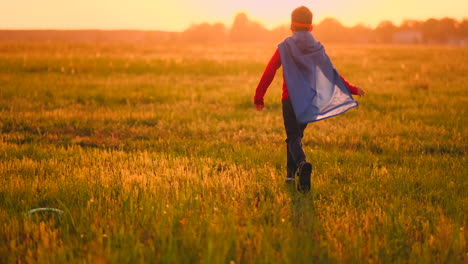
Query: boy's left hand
x=360, y=91
x=259, y=107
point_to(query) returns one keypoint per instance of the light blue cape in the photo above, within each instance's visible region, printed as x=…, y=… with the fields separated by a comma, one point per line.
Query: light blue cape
x=316, y=89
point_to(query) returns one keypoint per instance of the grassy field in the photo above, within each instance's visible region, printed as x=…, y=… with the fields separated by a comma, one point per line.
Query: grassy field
x=156, y=154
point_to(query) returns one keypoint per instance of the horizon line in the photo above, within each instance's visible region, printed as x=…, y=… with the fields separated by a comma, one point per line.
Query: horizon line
x=278, y=25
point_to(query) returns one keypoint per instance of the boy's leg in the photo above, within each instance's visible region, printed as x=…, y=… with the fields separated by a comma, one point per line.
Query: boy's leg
x=294, y=135
x=296, y=155
x=291, y=167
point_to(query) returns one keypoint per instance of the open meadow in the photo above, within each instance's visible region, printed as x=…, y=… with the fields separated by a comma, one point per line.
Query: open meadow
x=156, y=154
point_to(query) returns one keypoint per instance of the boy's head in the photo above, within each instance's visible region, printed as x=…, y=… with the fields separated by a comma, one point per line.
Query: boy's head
x=301, y=19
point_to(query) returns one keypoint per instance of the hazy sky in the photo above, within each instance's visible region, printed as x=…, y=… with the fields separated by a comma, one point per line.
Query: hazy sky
x=177, y=15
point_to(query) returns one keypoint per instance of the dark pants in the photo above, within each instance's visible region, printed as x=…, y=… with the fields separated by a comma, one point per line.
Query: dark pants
x=294, y=133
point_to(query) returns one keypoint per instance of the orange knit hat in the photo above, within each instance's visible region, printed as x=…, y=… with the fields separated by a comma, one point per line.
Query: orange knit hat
x=301, y=19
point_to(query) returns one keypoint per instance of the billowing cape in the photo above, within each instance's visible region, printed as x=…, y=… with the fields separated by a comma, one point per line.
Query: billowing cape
x=315, y=87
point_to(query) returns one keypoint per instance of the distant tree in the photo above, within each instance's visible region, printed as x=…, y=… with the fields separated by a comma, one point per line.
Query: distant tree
x=331, y=30
x=448, y=28
x=385, y=31
x=439, y=31
x=361, y=34
x=411, y=25
x=240, y=23
x=205, y=33
x=243, y=30
x=280, y=33
x=430, y=30
x=462, y=31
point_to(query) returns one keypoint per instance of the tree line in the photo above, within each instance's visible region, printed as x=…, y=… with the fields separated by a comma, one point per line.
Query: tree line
x=243, y=29
x=431, y=31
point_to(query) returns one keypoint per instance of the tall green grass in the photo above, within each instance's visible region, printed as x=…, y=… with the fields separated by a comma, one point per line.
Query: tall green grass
x=155, y=154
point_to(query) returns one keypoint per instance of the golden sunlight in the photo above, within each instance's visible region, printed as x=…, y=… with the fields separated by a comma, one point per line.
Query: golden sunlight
x=178, y=15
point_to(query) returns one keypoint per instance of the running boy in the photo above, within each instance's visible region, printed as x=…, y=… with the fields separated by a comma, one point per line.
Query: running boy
x=312, y=90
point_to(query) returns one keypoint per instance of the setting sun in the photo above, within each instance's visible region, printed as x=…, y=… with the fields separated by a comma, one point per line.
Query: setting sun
x=177, y=15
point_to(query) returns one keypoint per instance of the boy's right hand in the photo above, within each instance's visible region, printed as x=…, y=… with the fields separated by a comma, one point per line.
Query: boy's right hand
x=259, y=107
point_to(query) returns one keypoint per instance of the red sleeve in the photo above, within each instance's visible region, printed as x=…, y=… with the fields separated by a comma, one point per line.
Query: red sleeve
x=353, y=89
x=267, y=77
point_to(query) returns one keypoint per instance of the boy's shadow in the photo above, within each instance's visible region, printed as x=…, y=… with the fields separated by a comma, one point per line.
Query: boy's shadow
x=302, y=204
x=306, y=227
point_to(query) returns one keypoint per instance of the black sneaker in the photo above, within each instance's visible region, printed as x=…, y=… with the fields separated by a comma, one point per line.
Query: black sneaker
x=305, y=169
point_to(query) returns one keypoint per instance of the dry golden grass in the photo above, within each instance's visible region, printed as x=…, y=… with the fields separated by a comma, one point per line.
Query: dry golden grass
x=155, y=154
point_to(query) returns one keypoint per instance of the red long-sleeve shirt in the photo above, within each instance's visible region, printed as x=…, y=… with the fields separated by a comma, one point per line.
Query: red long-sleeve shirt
x=269, y=75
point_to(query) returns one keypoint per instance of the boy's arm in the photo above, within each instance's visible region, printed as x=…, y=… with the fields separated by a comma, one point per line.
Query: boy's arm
x=353, y=89
x=267, y=78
